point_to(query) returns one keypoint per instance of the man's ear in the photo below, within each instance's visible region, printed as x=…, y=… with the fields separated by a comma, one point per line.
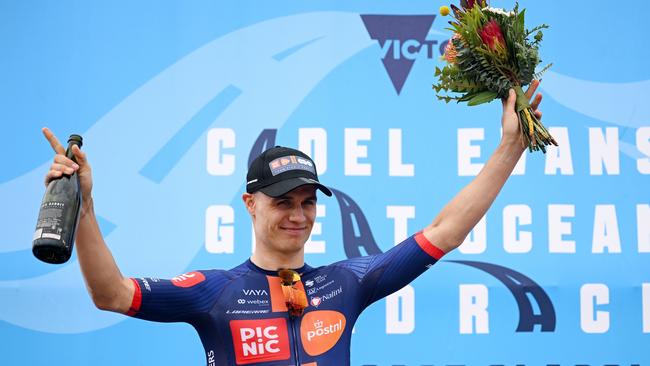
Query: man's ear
x=249, y=202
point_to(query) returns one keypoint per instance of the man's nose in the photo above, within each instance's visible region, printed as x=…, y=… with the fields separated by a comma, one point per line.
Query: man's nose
x=297, y=214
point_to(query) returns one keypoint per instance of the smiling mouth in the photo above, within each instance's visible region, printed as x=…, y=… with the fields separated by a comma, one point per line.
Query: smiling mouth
x=294, y=229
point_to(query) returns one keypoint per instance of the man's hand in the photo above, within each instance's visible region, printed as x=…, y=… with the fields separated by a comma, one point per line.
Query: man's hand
x=509, y=118
x=63, y=165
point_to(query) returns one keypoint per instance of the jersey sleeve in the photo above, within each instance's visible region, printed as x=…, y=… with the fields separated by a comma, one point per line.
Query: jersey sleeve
x=177, y=300
x=382, y=274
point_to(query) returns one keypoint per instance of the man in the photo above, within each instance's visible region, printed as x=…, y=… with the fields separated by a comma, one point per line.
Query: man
x=258, y=312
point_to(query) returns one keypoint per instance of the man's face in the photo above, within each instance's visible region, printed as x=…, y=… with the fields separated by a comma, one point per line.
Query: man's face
x=283, y=223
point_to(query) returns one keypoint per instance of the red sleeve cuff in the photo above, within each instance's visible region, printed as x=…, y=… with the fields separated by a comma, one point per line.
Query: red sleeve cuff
x=137, y=299
x=429, y=248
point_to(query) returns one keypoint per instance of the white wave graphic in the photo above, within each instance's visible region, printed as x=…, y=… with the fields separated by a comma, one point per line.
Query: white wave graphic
x=622, y=104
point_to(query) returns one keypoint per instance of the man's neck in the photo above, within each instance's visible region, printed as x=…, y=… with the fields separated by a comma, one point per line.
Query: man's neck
x=275, y=261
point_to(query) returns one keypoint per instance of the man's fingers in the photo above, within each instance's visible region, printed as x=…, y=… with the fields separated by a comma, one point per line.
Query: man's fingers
x=535, y=103
x=54, y=142
x=79, y=155
x=51, y=175
x=63, y=168
x=531, y=89
x=63, y=160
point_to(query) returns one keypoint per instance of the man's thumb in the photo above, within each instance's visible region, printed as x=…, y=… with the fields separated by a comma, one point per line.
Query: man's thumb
x=512, y=99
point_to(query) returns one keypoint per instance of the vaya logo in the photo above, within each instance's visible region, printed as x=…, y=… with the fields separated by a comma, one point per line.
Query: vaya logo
x=188, y=279
x=254, y=292
x=401, y=38
x=320, y=331
x=260, y=340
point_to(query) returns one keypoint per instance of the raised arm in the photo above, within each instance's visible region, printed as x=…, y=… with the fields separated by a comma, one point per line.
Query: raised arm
x=107, y=287
x=449, y=229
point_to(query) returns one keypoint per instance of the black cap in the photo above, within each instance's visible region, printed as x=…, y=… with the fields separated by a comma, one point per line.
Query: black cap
x=279, y=170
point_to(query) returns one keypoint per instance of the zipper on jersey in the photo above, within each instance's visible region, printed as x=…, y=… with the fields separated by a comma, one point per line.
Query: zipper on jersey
x=292, y=323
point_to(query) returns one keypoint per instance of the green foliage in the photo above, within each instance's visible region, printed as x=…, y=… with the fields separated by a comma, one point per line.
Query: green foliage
x=482, y=97
x=479, y=74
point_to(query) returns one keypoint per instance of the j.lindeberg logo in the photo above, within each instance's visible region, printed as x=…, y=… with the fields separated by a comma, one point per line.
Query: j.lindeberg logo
x=401, y=38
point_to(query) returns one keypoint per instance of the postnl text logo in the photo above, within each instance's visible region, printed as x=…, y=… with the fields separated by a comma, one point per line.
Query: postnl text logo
x=188, y=279
x=402, y=39
x=260, y=340
x=320, y=331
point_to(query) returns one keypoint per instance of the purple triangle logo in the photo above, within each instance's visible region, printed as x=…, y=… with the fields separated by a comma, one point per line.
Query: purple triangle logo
x=401, y=38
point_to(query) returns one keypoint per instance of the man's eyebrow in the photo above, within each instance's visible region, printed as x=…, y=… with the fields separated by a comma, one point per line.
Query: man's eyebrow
x=286, y=197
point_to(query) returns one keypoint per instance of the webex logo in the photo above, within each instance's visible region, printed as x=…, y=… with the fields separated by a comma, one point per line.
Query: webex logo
x=402, y=39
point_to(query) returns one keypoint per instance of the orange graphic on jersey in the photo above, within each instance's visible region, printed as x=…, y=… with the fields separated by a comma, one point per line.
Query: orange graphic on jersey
x=277, y=296
x=320, y=330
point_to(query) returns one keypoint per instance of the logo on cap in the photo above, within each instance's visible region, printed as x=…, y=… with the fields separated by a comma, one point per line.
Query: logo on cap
x=290, y=162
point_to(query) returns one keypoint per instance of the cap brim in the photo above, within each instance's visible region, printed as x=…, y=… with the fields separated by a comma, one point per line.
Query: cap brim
x=280, y=188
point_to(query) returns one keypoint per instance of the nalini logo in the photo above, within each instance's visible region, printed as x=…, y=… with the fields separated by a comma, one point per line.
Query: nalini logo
x=320, y=331
x=188, y=279
x=402, y=39
x=309, y=283
x=260, y=340
x=317, y=300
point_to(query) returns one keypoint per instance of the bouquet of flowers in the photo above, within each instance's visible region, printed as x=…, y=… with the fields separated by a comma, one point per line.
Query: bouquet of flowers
x=489, y=53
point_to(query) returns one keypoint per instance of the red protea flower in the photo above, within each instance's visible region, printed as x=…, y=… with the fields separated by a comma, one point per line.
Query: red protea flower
x=492, y=36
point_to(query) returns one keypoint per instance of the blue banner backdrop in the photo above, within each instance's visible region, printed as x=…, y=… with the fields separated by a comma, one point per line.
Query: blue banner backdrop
x=172, y=97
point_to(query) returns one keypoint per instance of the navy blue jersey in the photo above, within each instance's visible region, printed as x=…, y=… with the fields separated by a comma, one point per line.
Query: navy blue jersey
x=242, y=319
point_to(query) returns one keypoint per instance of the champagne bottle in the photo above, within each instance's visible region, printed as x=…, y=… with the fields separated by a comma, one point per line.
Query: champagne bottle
x=58, y=216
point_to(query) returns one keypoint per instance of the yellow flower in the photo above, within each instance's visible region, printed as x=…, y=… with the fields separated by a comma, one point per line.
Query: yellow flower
x=444, y=10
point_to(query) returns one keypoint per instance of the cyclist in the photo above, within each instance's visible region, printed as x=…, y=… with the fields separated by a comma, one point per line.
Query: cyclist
x=275, y=309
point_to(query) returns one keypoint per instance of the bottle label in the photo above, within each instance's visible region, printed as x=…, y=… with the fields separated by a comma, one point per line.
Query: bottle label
x=49, y=221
